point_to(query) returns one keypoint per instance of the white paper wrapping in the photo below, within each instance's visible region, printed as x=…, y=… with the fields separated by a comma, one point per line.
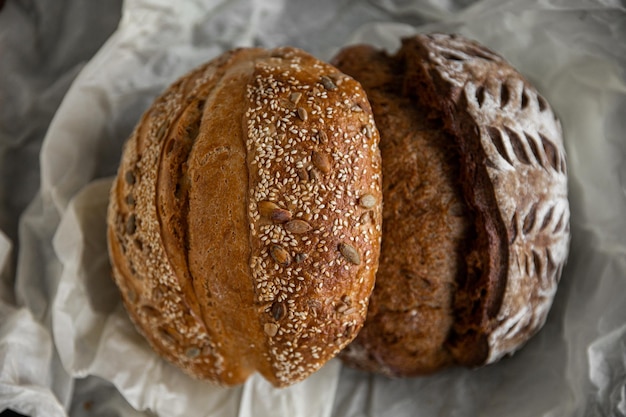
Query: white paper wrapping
x=67, y=346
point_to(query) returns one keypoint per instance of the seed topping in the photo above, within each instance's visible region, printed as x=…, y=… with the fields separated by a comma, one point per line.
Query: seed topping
x=303, y=174
x=367, y=201
x=321, y=161
x=192, y=352
x=297, y=226
x=278, y=311
x=271, y=329
x=280, y=216
x=295, y=97
x=280, y=255
x=341, y=307
x=350, y=253
x=328, y=83
x=307, y=158
x=273, y=212
x=300, y=257
x=368, y=131
x=356, y=108
x=314, y=174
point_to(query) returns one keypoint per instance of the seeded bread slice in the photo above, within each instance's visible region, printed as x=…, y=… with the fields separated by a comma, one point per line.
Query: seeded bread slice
x=245, y=220
x=475, y=230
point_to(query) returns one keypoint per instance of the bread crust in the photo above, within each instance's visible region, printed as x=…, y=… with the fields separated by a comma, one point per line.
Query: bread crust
x=512, y=180
x=245, y=220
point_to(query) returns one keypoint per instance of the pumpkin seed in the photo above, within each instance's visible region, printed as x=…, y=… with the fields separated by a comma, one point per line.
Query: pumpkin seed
x=280, y=255
x=272, y=211
x=303, y=174
x=300, y=257
x=297, y=226
x=278, y=311
x=302, y=113
x=321, y=161
x=328, y=83
x=350, y=253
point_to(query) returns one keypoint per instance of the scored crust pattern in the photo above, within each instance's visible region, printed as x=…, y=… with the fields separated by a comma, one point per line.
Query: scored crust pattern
x=156, y=295
x=521, y=141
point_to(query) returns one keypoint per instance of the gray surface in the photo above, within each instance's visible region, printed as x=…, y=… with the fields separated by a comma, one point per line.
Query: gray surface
x=43, y=45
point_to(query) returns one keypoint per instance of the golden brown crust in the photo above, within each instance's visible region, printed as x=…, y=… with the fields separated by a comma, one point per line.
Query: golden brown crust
x=236, y=226
x=313, y=257
x=503, y=171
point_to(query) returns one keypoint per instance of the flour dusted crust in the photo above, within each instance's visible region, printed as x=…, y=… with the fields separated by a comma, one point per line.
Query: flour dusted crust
x=508, y=251
x=524, y=158
x=244, y=224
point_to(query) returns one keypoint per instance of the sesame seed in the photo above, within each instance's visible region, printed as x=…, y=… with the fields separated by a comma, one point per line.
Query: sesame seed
x=368, y=131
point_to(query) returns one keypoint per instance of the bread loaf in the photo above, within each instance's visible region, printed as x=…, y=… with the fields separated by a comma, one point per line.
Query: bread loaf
x=475, y=216
x=244, y=224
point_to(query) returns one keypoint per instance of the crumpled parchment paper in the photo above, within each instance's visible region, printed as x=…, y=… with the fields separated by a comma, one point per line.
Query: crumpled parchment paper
x=66, y=344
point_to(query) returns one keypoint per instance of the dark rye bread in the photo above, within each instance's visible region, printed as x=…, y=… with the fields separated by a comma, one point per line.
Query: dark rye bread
x=475, y=215
x=244, y=224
